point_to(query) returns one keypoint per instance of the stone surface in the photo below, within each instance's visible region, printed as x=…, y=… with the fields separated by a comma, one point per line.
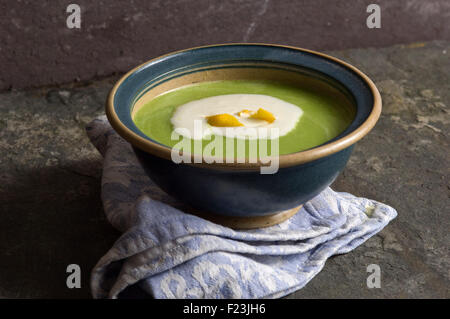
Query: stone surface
x=37, y=48
x=51, y=212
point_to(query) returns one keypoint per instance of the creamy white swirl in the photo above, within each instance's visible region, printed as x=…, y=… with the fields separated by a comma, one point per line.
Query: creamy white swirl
x=190, y=119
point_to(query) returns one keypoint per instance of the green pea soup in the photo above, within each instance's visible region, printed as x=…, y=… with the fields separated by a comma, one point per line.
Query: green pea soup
x=325, y=116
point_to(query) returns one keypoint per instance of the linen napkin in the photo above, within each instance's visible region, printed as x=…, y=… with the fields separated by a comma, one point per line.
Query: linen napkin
x=172, y=254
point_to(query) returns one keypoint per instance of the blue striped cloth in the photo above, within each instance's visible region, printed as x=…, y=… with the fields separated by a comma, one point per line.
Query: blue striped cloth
x=171, y=254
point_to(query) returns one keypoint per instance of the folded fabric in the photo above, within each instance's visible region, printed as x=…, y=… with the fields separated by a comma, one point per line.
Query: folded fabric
x=172, y=254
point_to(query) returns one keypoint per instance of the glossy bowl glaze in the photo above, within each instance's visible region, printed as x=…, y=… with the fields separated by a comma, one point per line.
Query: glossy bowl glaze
x=236, y=191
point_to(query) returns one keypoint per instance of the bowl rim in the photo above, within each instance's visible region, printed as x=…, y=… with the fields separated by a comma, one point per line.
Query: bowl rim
x=285, y=160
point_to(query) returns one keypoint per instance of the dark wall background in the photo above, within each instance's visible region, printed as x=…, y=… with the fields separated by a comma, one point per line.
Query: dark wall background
x=36, y=47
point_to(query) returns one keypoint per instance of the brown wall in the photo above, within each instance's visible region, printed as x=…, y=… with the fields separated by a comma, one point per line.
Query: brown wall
x=36, y=47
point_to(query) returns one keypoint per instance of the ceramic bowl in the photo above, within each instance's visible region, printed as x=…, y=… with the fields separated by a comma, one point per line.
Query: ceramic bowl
x=238, y=194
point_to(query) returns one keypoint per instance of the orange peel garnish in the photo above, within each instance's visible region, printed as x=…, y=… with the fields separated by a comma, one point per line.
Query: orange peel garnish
x=262, y=114
x=223, y=120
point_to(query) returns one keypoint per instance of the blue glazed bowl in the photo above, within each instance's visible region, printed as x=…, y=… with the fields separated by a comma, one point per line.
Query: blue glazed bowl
x=239, y=190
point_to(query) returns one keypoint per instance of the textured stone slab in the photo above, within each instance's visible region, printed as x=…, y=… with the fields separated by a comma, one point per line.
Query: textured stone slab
x=51, y=213
x=114, y=35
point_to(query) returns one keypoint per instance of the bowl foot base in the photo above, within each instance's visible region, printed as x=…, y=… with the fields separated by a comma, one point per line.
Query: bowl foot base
x=250, y=222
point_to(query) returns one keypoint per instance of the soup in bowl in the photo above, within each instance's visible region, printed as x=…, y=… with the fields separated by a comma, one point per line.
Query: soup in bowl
x=244, y=134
